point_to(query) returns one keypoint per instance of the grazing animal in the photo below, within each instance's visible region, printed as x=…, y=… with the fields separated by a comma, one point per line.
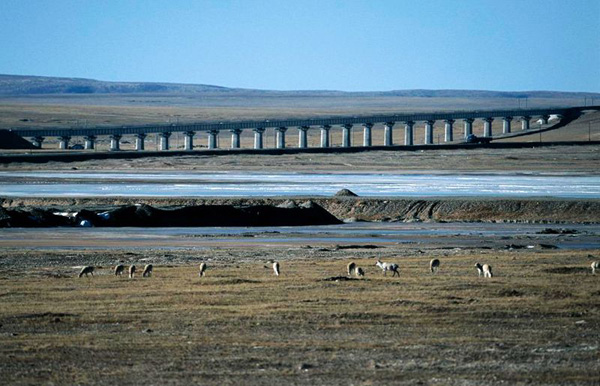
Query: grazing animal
x=359, y=272
x=351, y=268
x=131, y=271
x=85, y=270
x=202, y=269
x=147, y=271
x=119, y=269
x=595, y=266
x=479, y=269
x=276, y=268
x=434, y=265
x=388, y=267
x=485, y=270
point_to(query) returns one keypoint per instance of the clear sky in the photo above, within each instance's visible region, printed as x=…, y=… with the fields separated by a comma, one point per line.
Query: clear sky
x=352, y=45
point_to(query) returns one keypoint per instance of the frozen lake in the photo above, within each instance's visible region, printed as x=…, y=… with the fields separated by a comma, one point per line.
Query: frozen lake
x=252, y=184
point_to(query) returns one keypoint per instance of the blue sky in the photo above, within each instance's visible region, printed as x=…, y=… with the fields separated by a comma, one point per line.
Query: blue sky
x=348, y=45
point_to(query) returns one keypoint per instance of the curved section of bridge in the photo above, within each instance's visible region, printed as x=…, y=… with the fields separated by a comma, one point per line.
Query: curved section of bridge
x=346, y=124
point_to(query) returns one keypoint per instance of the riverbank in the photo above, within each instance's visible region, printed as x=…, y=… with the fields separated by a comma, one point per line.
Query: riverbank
x=525, y=210
x=571, y=160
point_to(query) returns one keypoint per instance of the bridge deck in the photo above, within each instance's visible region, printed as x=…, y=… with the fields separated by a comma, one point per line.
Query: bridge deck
x=332, y=121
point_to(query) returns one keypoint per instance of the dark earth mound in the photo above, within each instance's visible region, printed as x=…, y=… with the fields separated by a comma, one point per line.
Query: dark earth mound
x=10, y=140
x=346, y=193
x=188, y=216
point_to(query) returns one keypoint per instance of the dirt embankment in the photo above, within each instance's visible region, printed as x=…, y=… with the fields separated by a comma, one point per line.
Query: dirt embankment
x=541, y=210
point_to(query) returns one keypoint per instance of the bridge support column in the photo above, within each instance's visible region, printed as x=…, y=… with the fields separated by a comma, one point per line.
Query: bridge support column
x=63, y=142
x=545, y=119
x=303, y=136
x=346, y=135
x=408, y=133
x=164, y=140
x=281, y=137
x=139, y=141
x=115, y=144
x=506, y=125
x=188, y=140
x=367, y=137
x=212, y=139
x=258, y=137
x=388, y=136
x=525, y=122
x=37, y=141
x=468, y=126
x=429, y=132
x=487, y=126
x=235, y=138
x=448, y=130
x=325, y=135
x=89, y=142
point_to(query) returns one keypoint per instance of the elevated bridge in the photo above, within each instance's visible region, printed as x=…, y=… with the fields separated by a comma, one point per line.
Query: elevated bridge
x=325, y=125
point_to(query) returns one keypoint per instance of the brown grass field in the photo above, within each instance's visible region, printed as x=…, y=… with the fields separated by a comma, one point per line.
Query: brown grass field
x=535, y=322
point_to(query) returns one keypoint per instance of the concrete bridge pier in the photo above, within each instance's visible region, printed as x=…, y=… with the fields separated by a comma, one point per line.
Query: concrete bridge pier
x=164, y=140
x=235, y=138
x=487, y=126
x=258, y=137
x=429, y=132
x=325, y=142
x=545, y=119
x=506, y=124
x=212, y=139
x=367, y=138
x=89, y=142
x=63, y=142
x=346, y=135
x=408, y=133
x=281, y=137
x=37, y=141
x=468, y=126
x=115, y=144
x=188, y=140
x=388, y=135
x=139, y=141
x=303, y=136
x=525, y=122
x=448, y=123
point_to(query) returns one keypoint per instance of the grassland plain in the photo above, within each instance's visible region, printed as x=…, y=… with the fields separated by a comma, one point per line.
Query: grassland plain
x=535, y=322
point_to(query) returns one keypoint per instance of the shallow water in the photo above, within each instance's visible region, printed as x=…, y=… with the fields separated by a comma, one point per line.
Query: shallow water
x=252, y=184
x=440, y=235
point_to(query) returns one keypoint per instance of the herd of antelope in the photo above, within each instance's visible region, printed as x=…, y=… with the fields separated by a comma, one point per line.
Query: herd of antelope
x=484, y=270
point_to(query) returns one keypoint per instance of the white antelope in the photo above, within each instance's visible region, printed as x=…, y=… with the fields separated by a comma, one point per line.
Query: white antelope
x=85, y=270
x=131, y=271
x=595, y=266
x=276, y=268
x=434, y=265
x=119, y=269
x=202, y=269
x=485, y=270
x=351, y=268
x=147, y=271
x=388, y=267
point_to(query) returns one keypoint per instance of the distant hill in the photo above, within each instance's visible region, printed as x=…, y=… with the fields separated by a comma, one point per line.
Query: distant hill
x=18, y=85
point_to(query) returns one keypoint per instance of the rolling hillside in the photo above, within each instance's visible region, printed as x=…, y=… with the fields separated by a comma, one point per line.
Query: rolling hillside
x=17, y=85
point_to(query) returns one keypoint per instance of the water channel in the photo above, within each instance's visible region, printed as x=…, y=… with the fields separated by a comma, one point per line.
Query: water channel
x=253, y=184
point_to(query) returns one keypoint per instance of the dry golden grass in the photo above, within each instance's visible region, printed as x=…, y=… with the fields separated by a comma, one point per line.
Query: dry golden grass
x=536, y=321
